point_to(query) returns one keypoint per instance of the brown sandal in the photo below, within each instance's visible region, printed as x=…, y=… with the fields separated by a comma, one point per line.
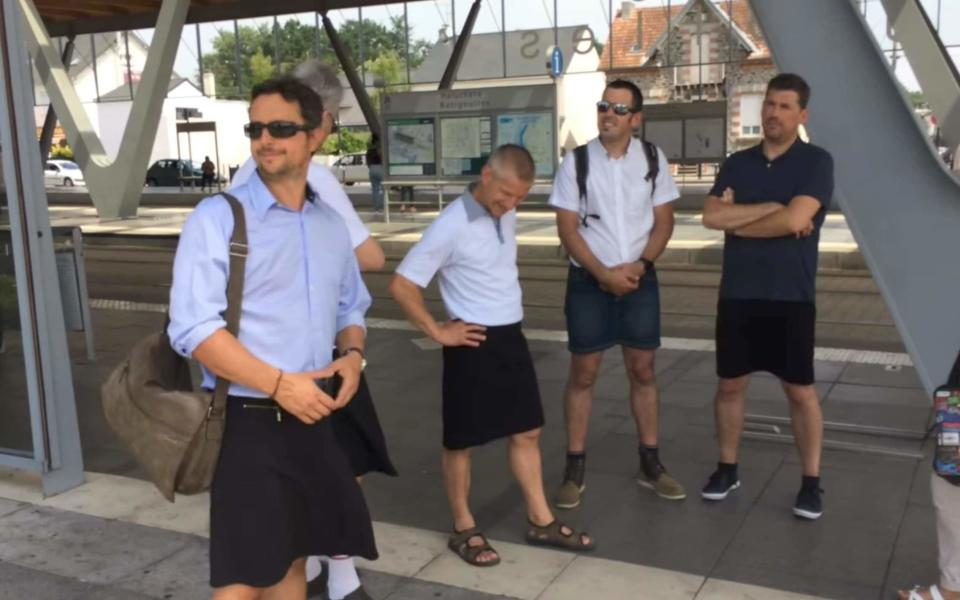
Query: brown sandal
x=459, y=543
x=552, y=535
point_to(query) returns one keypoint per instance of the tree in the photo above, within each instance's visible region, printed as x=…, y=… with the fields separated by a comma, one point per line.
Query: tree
x=389, y=68
x=261, y=67
x=297, y=42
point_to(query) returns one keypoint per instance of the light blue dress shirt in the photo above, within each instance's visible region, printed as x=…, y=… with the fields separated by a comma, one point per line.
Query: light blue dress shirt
x=475, y=256
x=302, y=283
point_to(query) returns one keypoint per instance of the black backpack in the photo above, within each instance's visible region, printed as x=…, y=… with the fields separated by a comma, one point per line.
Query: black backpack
x=582, y=163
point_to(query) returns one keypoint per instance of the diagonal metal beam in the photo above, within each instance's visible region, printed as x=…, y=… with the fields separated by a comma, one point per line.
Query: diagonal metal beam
x=459, y=48
x=115, y=185
x=343, y=55
x=50, y=122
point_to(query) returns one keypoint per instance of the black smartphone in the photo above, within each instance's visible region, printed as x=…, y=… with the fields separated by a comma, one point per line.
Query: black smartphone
x=330, y=385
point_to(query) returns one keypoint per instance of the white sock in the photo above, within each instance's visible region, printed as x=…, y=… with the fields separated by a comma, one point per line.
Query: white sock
x=343, y=577
x=314, y=567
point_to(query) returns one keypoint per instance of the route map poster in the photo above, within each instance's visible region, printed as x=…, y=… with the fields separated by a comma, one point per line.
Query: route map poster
x=464, y=144
x=410, y=143
x=533, y=131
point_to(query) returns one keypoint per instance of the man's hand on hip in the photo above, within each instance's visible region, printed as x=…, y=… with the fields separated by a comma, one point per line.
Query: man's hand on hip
x=458, y=333
x=299, y=395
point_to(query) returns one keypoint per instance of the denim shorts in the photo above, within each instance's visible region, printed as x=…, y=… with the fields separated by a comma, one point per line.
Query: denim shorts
x=597, y=320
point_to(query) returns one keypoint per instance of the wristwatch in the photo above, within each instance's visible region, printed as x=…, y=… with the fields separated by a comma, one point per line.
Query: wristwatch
x=647, y=264
x=363, y=357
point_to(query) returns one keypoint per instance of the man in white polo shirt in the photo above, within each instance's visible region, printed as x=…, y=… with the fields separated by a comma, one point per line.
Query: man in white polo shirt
x=614, y=217
x=490, y=387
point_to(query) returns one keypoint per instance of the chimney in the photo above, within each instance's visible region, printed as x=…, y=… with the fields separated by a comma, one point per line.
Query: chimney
x=626, y=9
x=209, y=84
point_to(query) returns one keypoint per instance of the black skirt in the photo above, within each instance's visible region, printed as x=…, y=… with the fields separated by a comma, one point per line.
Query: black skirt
x=766, y=335
x=283, y=490
x=358, y=431
x=491, y=391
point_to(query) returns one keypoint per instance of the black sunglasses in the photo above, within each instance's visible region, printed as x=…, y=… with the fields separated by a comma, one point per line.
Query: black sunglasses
x=619, y=108
x=277, y=129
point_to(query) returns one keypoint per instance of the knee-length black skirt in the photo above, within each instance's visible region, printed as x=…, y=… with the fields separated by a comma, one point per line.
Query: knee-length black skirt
x=358, y=431
x=491, y=391
x=283, y=490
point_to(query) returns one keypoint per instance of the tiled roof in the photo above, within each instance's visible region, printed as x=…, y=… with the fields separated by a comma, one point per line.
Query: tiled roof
x=630, y=49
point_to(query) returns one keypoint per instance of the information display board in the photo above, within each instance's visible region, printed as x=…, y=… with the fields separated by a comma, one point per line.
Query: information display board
x=412, y=146
x=533, y=131
x=449, y=134
x=465, y=144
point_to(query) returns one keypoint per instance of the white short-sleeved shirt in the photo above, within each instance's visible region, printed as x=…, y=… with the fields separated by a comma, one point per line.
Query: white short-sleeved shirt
x=327, y=188
x=618, y=193
x=476, y=257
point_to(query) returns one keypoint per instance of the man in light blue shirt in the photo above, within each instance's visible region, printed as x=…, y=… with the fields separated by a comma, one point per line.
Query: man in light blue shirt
x=283, y=489
x=490, y=388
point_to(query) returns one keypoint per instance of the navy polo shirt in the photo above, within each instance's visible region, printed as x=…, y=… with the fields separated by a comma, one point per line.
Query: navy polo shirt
x=781, y=268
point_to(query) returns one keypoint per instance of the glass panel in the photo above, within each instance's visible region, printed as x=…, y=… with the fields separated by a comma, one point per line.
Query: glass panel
x=15, y=433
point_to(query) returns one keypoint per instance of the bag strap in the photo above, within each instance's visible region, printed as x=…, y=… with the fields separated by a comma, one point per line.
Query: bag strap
x=653, y=165
x=581, y=158
x=238, y=259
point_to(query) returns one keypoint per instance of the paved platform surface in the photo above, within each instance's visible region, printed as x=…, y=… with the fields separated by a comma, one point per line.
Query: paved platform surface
x=116, y=538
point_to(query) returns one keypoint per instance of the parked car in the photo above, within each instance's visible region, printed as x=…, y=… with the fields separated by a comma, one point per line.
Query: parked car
x=170, y=172
x=62, y=172
x=351, y=168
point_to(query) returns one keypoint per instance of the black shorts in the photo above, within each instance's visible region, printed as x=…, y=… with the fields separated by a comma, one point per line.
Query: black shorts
x=766, y=335
x=282, y=491
x=491, y=391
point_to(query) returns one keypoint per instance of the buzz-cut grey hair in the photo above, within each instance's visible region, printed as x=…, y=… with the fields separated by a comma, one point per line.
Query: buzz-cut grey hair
x=321, y=78
x=513, y=159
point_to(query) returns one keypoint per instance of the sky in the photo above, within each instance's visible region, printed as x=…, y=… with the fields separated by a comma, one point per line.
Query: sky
x=427, y=17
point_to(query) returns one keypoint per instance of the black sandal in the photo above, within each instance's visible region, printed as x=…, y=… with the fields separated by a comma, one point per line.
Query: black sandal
x=459, y=543
x=552, y=534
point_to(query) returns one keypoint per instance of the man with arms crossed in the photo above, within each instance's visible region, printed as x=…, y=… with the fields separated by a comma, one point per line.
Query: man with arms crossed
x=771, y=201
x=613, y=236
x=283, y=489
x=490, y=387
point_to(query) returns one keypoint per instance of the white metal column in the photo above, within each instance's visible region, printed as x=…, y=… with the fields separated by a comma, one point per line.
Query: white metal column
x=53, y=416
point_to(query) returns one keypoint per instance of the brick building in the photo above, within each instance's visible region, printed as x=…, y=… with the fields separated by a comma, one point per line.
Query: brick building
x=703, y=55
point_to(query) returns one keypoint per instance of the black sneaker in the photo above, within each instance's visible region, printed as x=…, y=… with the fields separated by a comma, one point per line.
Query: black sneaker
x=809, y=505
x=720, y=485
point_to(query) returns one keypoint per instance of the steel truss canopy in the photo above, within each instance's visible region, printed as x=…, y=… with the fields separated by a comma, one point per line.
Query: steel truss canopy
x=65, y=17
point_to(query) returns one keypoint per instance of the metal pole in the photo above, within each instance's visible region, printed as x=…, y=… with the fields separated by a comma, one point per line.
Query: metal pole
x=50, y=122
x=610, y=34
x=316, y=25
x=453, y=65
x=126, y=44
x=276, y=46
x=453, y=17
x=203, y=90
x=556, y=32
x=93, y=57
x=503, y=35
x=669, y=32
x=362, y=49
x=237, y=68
x=406, y=37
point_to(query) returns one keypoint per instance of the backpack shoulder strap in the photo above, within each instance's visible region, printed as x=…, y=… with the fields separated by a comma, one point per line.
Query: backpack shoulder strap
x=582, y=162
x=653, y=164
x=238, y=259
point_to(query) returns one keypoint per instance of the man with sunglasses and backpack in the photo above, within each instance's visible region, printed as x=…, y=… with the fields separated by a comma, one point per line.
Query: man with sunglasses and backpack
x=614, y=217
